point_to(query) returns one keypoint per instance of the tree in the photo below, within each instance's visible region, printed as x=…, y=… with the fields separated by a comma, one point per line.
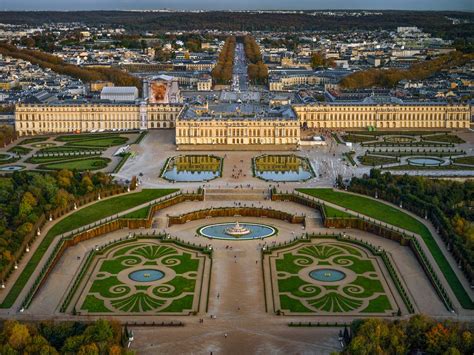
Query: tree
x=437, y=339
x=318, y=60
x=19, y=336
x=28, y=201
x=62, y=198
x=64, y=178
x=88, y=349
x=86, y=183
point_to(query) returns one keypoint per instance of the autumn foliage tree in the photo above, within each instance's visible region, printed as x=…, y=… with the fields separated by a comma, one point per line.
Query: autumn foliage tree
x=257, y=69
x=222, y=71
x=25, y=196
x=388, y=78
x=56, y=64
x=318, y=60
x=419, y=334
x=100, y=337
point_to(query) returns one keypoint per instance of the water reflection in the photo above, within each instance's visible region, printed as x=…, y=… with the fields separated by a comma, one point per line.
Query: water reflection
x=282, y=168
x=193, y=168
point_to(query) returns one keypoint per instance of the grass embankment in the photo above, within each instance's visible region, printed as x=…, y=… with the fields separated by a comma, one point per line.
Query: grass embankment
x=391, y=215
x=84, y=216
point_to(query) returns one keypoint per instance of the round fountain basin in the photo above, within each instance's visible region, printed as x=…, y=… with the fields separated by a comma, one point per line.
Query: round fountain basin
x=11, y=168
x=425, y=161
x=221, y=231
x=146, y=275
x=327, y=275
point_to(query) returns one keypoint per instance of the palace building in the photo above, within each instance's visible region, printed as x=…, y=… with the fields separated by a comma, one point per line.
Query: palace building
x=236, y=125
x=350, y=115
x=64, y=117
x=243, y=126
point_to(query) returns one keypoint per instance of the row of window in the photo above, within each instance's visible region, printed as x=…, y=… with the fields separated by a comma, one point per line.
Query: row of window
x=239, y=132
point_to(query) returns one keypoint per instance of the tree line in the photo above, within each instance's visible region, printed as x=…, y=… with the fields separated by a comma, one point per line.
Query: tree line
x=257, y=70
x=418, y=71
x=56, y=64
x=25, y=196
x=100, y=337
x=417, y=335
x=222, y=71
x=448, y=204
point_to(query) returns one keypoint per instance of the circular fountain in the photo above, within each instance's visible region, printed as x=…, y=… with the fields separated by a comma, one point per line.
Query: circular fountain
x=237, y=230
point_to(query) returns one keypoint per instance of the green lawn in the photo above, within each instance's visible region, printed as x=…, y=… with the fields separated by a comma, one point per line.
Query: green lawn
x=68, y=149
x=33, y=140
x=391, y=215
x=426, y=167
x=82, y=217
x=85, y=136
x=445, y=138
x=9, y=161
x=50, y=159
x=20, y=150
x=357, y=138
x=78, y=164
x=4, y=156
x=99, y=142
x=376, y=160
x=140, y=213
x=465, y=160
x=331, y=212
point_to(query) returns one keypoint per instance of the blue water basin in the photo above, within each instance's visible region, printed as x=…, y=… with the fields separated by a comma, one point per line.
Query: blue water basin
x=327, y=275
x=146, y=275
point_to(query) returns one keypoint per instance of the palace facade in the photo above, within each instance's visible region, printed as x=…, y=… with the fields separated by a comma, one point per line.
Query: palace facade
x=236, y=124
x=245, y=125
x=33, y=119
x=384, y=116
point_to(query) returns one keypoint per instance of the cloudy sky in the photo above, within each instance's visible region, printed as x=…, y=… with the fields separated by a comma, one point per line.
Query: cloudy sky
x=463, y=5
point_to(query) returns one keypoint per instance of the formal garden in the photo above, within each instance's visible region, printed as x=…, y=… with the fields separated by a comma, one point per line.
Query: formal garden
x=398, y=218
x=328, y=276
x=407, y=150
x=402, y=138
x=81, y=152
x=143, y=276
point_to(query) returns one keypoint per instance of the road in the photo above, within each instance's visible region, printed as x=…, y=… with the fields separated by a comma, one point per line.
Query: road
x=240, y=77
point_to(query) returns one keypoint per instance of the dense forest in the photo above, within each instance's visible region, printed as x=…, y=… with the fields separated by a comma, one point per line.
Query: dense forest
x=417, y=335
x=448, y=204
x=222, y=71
x=56, y=64
x=418, y=71
x=101, y=337
x=257, y=70
x=436, y=22
x=26, y=196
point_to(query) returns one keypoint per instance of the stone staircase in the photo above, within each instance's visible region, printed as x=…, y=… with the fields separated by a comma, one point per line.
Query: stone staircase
x=314, y=222
x=238, y=194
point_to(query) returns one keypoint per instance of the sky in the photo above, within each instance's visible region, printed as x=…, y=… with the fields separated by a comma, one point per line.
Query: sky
x=461, y=5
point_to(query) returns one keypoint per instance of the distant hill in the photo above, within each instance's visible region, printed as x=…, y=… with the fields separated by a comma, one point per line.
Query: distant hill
x=227, y=20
